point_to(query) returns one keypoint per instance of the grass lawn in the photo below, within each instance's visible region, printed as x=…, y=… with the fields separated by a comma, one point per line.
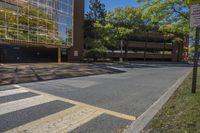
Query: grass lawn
x=181, y=114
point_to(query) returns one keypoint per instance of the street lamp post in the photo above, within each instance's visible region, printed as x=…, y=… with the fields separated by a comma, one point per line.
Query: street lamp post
x=121, y=48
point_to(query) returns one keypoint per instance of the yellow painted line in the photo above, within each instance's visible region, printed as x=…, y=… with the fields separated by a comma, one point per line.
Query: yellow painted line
x=23, y=103
x=63, y=121
x=12, y=92
x=109, y=112
x=78, y=124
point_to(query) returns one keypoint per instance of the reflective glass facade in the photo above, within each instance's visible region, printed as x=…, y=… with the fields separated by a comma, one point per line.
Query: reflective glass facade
x=38, y=21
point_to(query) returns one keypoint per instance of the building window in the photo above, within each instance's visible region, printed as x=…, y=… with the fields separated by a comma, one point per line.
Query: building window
x=42, y=21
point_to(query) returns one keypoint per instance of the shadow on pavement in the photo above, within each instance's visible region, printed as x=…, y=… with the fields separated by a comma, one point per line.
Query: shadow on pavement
x=23, y=73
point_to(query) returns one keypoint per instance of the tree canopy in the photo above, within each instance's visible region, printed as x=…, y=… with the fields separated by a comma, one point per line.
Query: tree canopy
x=171, y=15
x=97, y=11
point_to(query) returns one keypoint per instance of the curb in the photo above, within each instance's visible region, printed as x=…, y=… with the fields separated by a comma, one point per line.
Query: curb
x=140, y=123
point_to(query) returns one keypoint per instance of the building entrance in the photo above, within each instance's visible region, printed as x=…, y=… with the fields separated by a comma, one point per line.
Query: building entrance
x=29, y=54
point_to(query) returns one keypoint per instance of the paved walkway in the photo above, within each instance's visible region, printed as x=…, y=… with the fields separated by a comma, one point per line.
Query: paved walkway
x=23, y=73
x=94, y=104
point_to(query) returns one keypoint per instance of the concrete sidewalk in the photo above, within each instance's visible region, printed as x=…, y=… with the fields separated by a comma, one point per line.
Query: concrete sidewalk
x=23, y=73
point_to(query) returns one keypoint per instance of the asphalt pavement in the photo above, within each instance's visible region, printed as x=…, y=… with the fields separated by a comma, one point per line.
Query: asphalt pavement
x=98, y=104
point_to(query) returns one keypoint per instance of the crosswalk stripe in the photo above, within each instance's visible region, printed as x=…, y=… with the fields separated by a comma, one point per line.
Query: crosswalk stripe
x=63, y=121
x=109, y=112
x=12, y=92
x=23, y=103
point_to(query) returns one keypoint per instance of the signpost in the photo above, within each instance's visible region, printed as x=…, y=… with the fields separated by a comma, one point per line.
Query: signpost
x=195, y=15
x=195, y=23
x=196, y=58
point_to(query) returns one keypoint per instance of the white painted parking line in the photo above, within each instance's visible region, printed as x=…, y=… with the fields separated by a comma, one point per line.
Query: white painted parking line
x=12, y=92
x=23, y=103
x=64, y=121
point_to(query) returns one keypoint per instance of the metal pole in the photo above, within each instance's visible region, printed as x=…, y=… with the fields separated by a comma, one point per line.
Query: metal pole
x=121, y=46
x=196, y=58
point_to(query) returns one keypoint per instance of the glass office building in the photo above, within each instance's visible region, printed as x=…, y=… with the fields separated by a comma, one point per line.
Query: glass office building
x=37, y=21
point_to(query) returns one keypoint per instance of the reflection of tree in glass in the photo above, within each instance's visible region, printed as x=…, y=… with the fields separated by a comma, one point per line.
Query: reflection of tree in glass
x=31, y=24
x=69, y=36
x=2, y=23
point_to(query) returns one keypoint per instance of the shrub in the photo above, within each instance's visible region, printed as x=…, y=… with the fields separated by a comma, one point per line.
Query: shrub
x=95, y=53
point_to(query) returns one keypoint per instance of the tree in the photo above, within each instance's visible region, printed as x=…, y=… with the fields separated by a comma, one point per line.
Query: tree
x=119, y=25
x=97, y=11
x=172, y=16
x=127, y=17
x=170, y=13
x=93, y=43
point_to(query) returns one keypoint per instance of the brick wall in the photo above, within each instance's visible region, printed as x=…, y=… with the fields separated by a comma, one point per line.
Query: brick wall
x=75, y=53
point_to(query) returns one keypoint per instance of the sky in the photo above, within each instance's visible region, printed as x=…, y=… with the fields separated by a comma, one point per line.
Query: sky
x=112, y=4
